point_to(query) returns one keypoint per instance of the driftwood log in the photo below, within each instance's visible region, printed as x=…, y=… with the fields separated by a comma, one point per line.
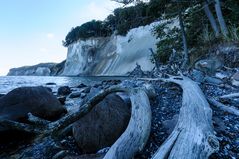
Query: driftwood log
x=137, y=133
x=229, y=109
x=192, y=137
x=233, y=95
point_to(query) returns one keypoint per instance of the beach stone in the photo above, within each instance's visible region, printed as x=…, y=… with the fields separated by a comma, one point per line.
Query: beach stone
x=36, y=100
x=209, y=66
x=197, y=75
x=82, y=85
x=75, y=94
x=103, y=125
x=50, y=83
x=64, y=90
x=86, y=90
x=213, y=80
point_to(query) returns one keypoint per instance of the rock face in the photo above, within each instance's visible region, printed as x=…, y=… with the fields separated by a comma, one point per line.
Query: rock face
x=115, y=55
x=38, y=100
x=103, y=125
x=42, y=69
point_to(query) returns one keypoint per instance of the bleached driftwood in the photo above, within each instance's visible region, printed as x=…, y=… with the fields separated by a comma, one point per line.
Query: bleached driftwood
x=229, y=109
x=233, y=95
x=136, y=134
x=192, y=137
x=9, y=124
x=36, y=120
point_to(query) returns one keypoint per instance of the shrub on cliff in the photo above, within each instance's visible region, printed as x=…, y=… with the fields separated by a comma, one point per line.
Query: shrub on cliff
x=89, y=29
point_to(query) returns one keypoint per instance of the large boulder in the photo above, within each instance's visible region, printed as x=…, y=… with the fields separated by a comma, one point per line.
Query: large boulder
x=103, y=125
x=209, y=65
x=37, y=100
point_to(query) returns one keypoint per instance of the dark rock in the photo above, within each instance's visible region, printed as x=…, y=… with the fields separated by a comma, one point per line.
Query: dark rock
x=51, y=83
x=97, y=85
x=213, y=80
x=86, y=90
x=83, y=95
x=38, y=100
x=209, y=66
x=82, y=85
x=102, y=126
x=93, y=91
x=1, y=95
x=197, y=75
x=64, y=90
x=75, y=95
x=62, y=99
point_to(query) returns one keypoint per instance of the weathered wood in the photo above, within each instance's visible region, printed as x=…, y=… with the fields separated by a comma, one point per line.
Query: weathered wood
x=136, y=134
x=229, y=109
x=36, y=120
x=233, y=95
x=12, y=125
x=192, y=137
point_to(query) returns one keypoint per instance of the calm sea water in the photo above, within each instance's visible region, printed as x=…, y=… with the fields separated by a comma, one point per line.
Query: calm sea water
x=8, y=83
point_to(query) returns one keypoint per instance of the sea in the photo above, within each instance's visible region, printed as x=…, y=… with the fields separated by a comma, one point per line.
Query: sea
x=8, y=83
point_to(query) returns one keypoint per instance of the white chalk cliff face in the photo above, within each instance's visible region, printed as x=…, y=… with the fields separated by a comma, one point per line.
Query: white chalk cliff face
x=115, y=55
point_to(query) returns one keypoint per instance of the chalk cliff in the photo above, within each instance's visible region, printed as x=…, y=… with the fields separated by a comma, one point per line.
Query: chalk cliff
x=42, y=69
x=115, y=55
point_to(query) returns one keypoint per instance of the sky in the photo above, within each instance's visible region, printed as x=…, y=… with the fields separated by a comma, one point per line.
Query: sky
x=31, y=31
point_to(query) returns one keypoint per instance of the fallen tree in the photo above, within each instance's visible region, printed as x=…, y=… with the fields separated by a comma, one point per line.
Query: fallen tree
x=137, y=133
x=192, y=137
x=229, y=109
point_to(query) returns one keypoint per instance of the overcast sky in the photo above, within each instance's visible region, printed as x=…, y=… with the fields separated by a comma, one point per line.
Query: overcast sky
x=31, y=31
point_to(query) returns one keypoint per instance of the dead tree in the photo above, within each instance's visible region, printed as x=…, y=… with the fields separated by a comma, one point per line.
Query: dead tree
x=211, y=18
x=229, y=109
x=137, y=133
x=192, y=137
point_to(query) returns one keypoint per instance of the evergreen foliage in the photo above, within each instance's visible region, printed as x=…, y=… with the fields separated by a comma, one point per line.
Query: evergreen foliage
x=121, y=21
